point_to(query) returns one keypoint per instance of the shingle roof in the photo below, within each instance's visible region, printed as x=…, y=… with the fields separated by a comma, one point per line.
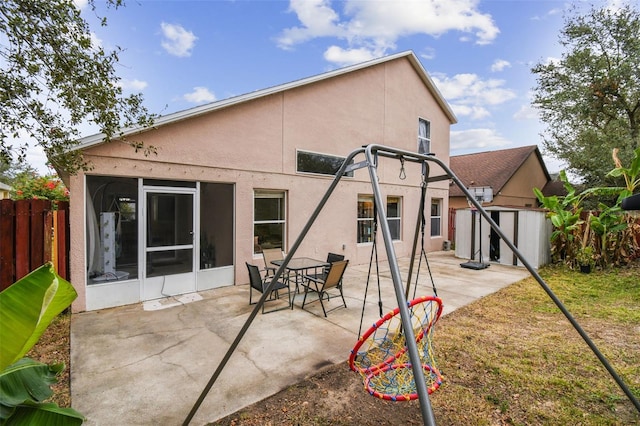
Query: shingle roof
x=490, y=168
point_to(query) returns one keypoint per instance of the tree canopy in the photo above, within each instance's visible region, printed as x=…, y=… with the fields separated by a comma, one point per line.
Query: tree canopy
x=589, y=99
x=53, y=78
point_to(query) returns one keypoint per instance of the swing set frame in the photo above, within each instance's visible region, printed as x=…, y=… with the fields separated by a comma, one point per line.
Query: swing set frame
x=372, y=154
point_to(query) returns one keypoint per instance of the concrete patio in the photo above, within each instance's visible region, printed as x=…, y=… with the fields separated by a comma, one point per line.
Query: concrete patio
x=132, y=366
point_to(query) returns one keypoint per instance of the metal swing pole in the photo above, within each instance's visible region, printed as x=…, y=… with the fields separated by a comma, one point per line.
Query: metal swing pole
x=346, y=166
x=603, y=360
x=410, y=338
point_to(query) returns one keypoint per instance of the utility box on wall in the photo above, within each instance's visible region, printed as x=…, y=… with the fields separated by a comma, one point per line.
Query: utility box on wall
x=529, y=230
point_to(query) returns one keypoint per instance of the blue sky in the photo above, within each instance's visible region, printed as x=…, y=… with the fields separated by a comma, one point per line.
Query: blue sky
x=181, y=54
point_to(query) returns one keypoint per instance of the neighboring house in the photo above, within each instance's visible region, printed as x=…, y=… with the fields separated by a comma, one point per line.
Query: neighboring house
x=242, y=174
x=4, y=191
x=510, y=173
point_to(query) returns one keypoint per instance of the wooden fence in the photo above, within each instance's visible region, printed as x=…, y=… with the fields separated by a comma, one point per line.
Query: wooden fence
x=32, y=232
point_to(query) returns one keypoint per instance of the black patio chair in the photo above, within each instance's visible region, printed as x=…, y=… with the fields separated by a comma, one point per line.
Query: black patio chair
x=258, y=283
x=331, y=257
x=333, y=281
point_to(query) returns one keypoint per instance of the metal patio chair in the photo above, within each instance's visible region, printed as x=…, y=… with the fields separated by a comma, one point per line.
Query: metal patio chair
x=258, y=283
x=333, y=281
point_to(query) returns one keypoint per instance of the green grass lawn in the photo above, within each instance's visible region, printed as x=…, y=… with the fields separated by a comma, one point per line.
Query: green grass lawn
x=513, y=357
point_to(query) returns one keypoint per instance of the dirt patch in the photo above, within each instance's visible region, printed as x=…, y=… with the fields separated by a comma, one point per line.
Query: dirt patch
x=335, y=396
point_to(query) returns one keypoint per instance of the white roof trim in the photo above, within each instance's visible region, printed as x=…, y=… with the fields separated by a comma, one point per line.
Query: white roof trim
x=98, y=138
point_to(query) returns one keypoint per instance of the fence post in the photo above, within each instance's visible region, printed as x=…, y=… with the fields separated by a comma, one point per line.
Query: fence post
x=22, y=238
x=38, y=208
x=62, y=239
x=47, y=231
x=7, y=243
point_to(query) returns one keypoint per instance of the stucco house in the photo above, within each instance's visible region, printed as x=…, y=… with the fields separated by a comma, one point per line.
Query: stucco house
x=511, y=174
x=238, y=175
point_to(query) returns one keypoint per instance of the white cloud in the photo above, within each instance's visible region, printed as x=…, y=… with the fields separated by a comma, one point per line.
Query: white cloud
x=552, y=60
x=134, y=85
x=96, y=42
x=376, y=25
x=474, y=112
x=343, y=57
x=469, y=95
x=500, y=65
x=477, y=139
x=199, y=95
x=428, y=53
x=526, y=112
x=550, y=13
x=80, y=4
x=177, y=41
x=318, y=19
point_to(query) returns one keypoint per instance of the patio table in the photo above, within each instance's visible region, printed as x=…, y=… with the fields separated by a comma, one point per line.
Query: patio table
x=298, y=266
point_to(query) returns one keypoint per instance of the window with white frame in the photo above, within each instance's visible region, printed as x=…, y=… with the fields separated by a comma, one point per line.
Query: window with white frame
x=365, y=218
x=269, y=220
x=436, y=217
x=394, y=213
x=424, y=136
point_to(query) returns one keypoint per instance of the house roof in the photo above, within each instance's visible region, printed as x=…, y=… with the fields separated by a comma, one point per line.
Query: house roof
x=5, y=187
x=224, y=103
x=491, y=168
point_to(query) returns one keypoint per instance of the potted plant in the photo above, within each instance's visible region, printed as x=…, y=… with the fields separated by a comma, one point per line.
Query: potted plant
x=584, y=257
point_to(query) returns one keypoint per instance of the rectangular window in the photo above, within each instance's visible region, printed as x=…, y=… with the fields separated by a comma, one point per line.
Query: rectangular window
x=436, y=218
x=269, y=221
x=394, y=214
x=323, y=164
x=365, y=218
x=112, y=229
x=424, y=136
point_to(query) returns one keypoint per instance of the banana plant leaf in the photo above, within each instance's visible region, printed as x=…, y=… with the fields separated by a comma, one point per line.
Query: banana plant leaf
x=27, y=380
x=49, y=414
x=27, y=308
x=24, y=386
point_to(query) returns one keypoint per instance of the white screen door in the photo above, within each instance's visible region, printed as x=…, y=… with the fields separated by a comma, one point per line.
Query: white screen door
x=169, y=266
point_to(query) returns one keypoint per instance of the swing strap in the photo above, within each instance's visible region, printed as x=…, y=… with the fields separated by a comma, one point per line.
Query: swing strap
x=423, y=221
x=374, y=252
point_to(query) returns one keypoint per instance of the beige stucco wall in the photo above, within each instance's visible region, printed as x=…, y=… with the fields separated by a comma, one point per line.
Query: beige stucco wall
x=253, y=145
x=518, y=191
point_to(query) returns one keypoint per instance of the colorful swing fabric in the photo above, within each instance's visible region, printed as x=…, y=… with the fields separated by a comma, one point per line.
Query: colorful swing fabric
x=381, y=357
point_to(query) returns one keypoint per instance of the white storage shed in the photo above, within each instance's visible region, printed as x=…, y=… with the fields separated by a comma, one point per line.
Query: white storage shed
x=528, y=229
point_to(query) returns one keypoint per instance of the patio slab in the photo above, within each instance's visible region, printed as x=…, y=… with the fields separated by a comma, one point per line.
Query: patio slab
x=139, y=367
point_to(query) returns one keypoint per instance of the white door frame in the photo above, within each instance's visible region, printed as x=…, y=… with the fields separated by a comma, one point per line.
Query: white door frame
x=172, y=284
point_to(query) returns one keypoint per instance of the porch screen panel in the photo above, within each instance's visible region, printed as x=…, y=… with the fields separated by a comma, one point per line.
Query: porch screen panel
x=111, y=228
x=216, y=225
x=170, y=225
